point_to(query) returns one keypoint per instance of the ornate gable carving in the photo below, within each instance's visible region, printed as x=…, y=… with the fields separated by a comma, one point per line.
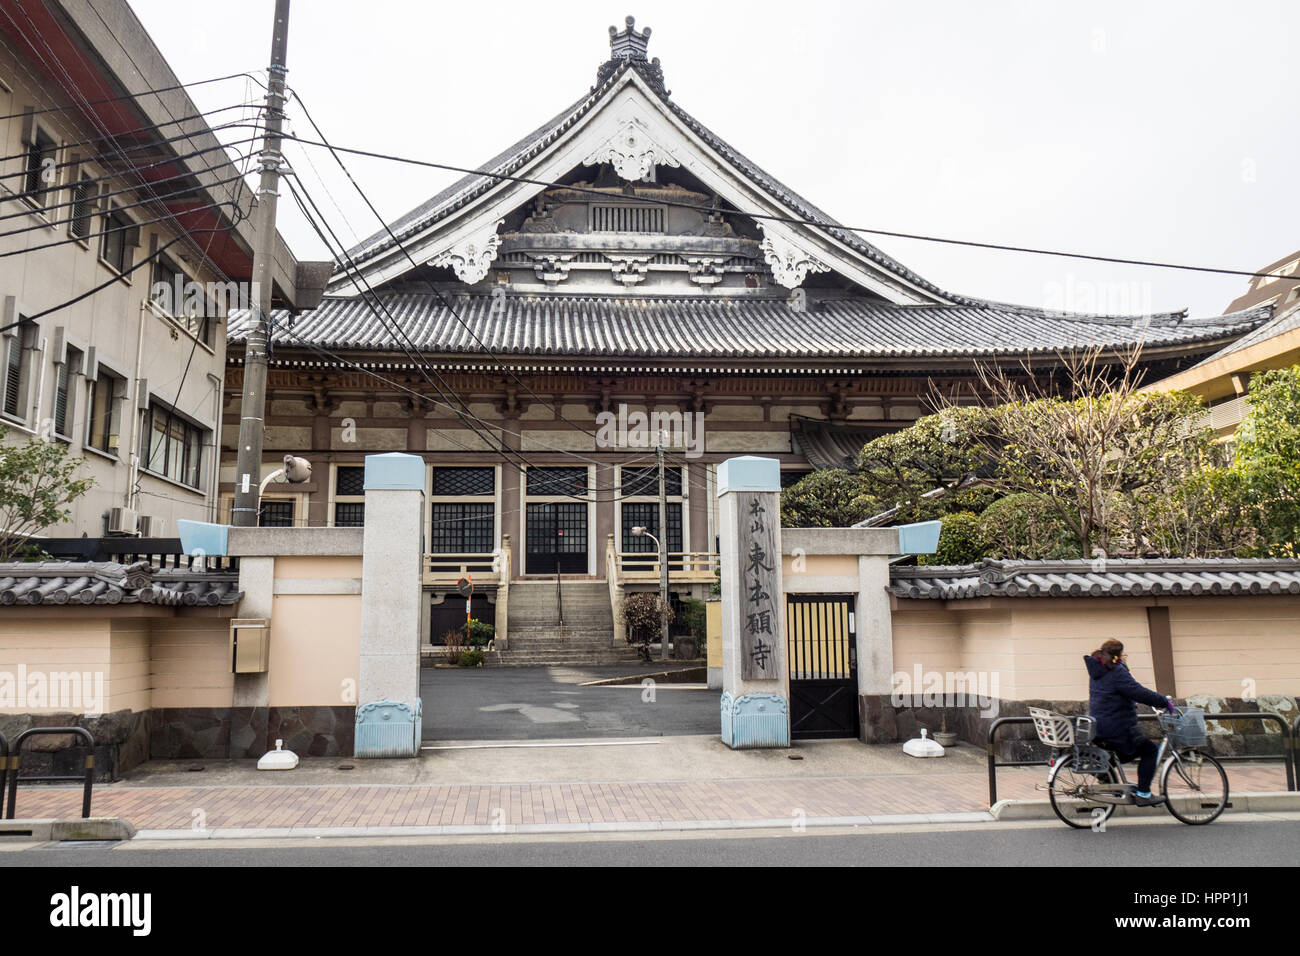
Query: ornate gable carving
x=471, y=258
x=789, y=263
x=632, y=151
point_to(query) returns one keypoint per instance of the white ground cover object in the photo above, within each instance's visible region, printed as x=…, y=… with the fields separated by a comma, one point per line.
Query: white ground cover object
x=278, y=759
x=921, y=746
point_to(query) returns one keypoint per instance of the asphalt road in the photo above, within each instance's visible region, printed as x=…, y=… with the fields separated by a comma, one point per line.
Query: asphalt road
x=522, y=703
x=1239, y=842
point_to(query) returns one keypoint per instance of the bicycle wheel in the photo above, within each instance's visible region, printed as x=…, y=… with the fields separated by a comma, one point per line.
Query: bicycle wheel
x=1064, y=788
x=1195, y=787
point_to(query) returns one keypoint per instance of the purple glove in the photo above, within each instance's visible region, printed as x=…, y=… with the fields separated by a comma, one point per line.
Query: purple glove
x=1169, y=705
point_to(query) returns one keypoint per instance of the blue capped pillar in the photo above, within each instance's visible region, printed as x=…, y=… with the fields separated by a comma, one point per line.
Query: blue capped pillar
x=388, y=688
x=755, y=694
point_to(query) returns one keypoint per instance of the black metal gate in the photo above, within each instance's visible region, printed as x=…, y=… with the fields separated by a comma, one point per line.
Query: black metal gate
x=556, y=538
x=823, y=666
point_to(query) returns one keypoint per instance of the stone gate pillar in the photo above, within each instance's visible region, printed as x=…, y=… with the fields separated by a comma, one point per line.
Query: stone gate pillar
x=388, y=691
x=755, y=692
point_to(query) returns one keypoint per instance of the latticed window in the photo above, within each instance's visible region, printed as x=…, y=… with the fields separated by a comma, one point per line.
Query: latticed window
x=645, y=514
x=464, y=481
x=645, y=481
x=350, y=481
x=13, y=395
x=275, y=514
x=462, y=528
x=349, y=514
x=557, y=481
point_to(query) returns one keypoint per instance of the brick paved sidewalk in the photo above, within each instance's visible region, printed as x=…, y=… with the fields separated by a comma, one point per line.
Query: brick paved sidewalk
x=389, y=805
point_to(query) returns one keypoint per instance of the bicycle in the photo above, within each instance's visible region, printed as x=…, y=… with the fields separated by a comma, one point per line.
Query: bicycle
x=1086, y=781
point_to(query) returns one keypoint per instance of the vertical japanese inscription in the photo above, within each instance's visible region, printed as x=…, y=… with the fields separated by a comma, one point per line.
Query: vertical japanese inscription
x=760, y=618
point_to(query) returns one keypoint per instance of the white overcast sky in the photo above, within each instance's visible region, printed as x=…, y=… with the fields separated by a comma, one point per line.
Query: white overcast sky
x=1161, y=131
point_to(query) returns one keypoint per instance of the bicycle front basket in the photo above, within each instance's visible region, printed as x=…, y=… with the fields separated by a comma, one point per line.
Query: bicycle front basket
x=1189, y=729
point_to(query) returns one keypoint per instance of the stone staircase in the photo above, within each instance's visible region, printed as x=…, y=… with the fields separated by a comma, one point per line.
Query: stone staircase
x=537, y=640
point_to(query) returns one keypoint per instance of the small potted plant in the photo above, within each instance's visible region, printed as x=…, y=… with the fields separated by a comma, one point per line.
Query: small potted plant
x=944, y=737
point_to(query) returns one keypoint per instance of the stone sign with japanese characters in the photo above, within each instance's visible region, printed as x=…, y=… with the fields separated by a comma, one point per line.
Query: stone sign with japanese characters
x=754, y=705
x=760, y=589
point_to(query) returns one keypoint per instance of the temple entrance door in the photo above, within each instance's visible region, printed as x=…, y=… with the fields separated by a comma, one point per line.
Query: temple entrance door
x=823, y=666
x=556, y=538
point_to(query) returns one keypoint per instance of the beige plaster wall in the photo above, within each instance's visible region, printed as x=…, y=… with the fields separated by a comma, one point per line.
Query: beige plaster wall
x=190, y=662
x=1036, y=646
x=1222, y=642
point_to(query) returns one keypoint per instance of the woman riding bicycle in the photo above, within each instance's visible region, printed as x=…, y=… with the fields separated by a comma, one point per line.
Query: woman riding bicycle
x=1113, y=696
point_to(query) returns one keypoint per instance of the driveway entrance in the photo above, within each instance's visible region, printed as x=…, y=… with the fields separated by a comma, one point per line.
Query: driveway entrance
x=538, y=703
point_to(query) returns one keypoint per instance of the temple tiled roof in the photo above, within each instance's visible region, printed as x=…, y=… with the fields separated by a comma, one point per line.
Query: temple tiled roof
x=27, y=583
x=713, y=327
x=1286, y=320
x=1133, y=577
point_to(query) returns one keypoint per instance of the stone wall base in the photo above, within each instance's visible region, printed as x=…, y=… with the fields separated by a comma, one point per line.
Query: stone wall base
x=125, y=739
x=883, y=722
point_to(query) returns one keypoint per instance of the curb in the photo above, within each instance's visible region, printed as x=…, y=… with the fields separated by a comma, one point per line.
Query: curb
x=1280, y=801
x=524, y=829
x=56, y=831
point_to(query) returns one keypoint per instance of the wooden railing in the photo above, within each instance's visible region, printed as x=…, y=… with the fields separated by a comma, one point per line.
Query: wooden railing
x=448, y=568
x=693, y=567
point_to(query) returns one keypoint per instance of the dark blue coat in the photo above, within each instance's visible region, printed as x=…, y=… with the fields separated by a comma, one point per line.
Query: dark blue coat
x=1113, y=696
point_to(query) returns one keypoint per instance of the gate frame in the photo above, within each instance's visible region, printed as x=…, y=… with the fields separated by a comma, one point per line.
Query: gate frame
x=850, y=682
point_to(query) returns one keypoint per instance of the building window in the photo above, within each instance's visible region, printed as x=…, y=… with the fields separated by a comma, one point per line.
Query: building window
x=17, y=348
x=349, y=496
x=349, y=514
x=275, y=514
x=115, y=247
x=645, y=481
x=464, y=481
x=557, y=481
x=103, y=412
x=83, y=207
x=464, y=521
x=171, y=446
x=40, y=172
x=63, y=395
x=642, y=485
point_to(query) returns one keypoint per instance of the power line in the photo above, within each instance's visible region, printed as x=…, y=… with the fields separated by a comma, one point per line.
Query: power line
x=134, y=225
x=135, y=96
x=140, y=129
x=789, y=220
x=183, y=191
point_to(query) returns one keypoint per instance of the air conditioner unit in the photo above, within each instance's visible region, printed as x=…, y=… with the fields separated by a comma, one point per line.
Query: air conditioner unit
x=122, y=521
x=150, y=527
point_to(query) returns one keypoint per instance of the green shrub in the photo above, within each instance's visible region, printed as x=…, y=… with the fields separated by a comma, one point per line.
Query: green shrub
x=1026, y=526
x=470, y=658
x=961, y=541
x=695, y=617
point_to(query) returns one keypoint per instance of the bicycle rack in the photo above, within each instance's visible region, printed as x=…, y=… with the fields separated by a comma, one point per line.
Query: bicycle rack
x=16, y=757
x=1290, y=734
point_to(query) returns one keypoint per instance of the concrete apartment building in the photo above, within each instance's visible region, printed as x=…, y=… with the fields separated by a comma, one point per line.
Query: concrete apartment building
x=1221, y=380
x=98, y=178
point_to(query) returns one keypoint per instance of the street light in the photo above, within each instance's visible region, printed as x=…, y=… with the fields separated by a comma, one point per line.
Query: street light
x=639, y=532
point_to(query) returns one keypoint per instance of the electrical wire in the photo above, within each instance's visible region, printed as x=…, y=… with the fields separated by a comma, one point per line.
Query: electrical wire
x=789, y=220
x=135, y=96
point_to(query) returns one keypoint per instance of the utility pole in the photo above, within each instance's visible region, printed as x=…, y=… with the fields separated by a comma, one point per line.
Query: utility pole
x=248, y=470
x=663, y=552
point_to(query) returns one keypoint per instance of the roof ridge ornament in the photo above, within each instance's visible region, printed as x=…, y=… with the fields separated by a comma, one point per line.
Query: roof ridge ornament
x=627, y=46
